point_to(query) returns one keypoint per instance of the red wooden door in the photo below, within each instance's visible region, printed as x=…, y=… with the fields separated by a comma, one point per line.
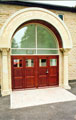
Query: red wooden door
x=30, y=71
x=48, y=70
x=53, y=70
x=42, y=71
x=17, y=72
x=34, y=71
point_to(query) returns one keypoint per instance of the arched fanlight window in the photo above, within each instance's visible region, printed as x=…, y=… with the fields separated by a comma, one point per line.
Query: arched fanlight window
x=34, y=39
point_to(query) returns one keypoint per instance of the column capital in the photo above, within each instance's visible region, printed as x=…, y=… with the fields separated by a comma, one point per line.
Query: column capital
x=65, y=51
x=4, y=50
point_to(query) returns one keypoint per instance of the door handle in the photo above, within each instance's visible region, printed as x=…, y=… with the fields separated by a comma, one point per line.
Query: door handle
x=47, y=71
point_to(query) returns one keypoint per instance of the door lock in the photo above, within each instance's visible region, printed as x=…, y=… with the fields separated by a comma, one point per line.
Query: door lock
x=47, y=71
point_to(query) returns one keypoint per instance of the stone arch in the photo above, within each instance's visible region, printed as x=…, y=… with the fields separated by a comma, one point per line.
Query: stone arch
x=31, y=14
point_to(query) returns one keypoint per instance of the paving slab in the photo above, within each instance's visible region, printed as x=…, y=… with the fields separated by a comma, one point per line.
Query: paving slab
x=26, y=98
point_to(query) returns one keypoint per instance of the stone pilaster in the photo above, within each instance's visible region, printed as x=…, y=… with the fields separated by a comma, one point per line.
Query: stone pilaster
x=5, y=90
x=65, y=68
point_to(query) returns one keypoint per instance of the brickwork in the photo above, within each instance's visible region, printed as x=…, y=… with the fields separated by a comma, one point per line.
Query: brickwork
x=69, y=19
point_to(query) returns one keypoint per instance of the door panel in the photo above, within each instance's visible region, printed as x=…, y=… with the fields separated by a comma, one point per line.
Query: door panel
x=17, y=72
x=53, y=70
x=42, y=69
x=30, y=68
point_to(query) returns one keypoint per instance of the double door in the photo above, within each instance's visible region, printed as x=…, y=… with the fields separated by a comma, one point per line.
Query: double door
x=34, y=71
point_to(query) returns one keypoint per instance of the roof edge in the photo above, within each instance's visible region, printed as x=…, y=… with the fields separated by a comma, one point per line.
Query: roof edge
x=41, y=5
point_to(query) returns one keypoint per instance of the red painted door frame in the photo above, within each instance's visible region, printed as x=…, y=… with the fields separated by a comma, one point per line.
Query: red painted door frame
x=35, y=76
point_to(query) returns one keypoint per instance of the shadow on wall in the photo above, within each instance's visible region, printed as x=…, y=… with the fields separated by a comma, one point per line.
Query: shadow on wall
x=72, y=83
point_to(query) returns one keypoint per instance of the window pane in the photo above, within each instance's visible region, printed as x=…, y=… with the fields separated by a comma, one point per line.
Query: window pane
x=17, y=63
x=47, y=51
x=29, y=62
x=53, y=62
x=60, y=16
x=20, y=51
x=25, y=37
x=45, y=38
x=42, y=62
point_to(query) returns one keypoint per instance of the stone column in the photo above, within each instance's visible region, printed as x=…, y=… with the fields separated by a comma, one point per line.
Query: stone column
x=65, y=69
x=5, y=90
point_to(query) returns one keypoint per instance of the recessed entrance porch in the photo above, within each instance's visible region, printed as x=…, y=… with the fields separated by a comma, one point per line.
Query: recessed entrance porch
x=55, y=40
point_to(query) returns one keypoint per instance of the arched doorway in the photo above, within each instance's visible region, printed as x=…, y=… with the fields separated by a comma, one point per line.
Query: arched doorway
x=57, y=27
x=35, y=57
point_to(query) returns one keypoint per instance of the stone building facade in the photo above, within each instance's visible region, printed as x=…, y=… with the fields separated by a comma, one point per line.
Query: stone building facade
x=8, y=14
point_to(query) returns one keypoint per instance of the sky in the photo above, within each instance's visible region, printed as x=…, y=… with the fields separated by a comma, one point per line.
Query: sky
x=70, y=3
